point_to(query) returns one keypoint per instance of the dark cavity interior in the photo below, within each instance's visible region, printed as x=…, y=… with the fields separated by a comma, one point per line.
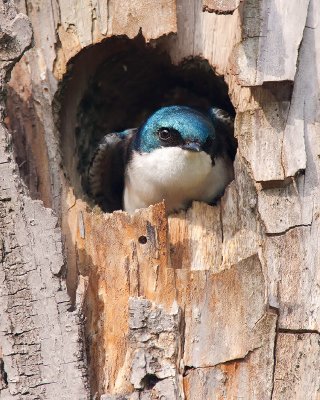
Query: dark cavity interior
x=116, y=85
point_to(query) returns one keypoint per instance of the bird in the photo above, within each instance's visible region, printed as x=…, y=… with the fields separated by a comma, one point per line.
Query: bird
x=179, y=154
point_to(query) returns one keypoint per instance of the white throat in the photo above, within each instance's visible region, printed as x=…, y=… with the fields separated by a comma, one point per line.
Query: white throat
x=176, y=175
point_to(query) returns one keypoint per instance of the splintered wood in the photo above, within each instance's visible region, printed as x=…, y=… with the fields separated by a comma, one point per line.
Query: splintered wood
x=128, y=258
x=144, y=275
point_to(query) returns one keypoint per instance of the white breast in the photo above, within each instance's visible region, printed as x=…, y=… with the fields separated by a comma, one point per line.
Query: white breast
x=176, y=175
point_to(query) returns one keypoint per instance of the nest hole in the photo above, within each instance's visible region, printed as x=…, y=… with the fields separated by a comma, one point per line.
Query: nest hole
x=116, y=85
x=149, y=381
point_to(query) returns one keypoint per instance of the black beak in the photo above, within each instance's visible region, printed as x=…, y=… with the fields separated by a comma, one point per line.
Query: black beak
x=192, y=146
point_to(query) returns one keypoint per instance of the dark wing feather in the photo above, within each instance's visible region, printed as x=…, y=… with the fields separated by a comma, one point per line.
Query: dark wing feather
x=107, y=168
x=224, y=125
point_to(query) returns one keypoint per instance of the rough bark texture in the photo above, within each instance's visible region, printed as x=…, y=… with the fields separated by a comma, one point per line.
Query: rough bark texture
x=215, y=302
x=40, y=337
x=220, y=6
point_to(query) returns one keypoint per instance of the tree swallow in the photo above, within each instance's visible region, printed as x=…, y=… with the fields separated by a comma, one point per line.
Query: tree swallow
x=178, y=155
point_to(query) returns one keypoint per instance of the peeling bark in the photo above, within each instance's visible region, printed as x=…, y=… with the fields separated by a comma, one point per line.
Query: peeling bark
x=220, y=6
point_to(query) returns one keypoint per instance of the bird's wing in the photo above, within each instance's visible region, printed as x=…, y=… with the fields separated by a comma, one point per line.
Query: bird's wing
x=107, y=168
x=224, y=125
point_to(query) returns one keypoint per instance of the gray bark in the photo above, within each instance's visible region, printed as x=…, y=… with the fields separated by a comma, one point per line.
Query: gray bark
x=218, y=302
x=40, y=336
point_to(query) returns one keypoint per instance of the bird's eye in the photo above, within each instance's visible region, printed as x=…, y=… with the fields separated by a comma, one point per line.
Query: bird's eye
x=164, y=134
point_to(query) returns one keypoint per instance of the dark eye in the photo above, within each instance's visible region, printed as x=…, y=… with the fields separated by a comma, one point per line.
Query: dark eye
x=164, y=134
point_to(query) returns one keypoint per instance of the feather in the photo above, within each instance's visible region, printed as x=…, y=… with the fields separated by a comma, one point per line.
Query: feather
x=224, y=126
x=107, y=168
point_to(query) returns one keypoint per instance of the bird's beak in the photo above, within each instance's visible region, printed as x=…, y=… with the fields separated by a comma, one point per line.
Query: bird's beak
x=192, y=146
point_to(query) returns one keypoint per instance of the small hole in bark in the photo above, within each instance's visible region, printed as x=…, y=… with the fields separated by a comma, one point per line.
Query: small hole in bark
x=116, y=85
x=187, y=369
x=142, y=240
x=149, y=381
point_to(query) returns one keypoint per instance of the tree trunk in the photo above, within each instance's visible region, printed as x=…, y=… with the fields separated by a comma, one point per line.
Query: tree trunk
x=217, y=302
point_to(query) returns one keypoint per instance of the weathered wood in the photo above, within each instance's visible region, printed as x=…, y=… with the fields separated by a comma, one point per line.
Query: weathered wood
x=250, y=377
x=199, y=222
x=221, y=33
x=272, y=33
x=129, y=260
x=294, y=277
x=185, y=307
x=40, y=336
x=297, y=353
x=241, y=284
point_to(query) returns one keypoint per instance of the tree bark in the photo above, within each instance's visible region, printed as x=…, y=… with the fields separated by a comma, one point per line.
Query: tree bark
x=215, y=302
x=41, y=353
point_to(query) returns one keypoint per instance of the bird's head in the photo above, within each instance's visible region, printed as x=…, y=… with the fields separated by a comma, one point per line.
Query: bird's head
x=176, y=126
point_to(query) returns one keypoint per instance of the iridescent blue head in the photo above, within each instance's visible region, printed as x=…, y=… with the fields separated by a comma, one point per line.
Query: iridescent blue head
x=176, y=126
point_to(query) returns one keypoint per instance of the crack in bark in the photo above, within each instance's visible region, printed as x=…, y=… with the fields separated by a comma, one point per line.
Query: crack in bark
x=275, y=309
x=298, y=331
x=275, y=234
x=209, y=10
x=227, y=362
